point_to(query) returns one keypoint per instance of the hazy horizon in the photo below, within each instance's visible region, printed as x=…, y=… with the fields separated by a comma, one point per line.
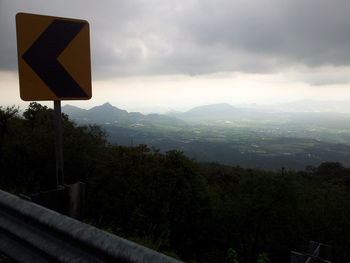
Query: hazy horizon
x=338, y=106
x=341, y=106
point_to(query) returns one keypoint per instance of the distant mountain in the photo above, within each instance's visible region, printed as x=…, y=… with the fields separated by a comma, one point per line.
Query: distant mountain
x=109, y=114
x=221, y=111
x=305, y=113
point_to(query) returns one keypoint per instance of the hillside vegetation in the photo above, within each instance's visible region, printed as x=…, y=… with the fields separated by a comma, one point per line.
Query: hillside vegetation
x=198, y=212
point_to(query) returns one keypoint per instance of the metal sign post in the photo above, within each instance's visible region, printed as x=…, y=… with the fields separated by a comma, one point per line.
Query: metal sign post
x=58, y=143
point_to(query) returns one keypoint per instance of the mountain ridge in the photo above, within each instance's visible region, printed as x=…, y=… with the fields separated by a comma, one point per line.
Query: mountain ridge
x=107, y=114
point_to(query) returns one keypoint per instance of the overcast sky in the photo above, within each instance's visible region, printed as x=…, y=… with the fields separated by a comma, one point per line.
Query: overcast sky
x=156, y=55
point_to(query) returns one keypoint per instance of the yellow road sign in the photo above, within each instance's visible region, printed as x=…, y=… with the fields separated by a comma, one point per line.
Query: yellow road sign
x=53, y=58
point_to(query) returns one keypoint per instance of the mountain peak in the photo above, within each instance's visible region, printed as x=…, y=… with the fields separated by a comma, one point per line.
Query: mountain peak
x=107, y=113
x=106, y=107
x=107, y=104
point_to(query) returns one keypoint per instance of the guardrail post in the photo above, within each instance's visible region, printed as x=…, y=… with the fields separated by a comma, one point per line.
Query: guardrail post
x=66, y=199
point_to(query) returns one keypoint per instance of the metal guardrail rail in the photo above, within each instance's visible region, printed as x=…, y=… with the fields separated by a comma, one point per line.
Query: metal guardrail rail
x=32, y=233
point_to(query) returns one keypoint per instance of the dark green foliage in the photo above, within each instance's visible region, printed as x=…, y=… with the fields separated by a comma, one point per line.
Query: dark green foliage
x=168, y=202
x=27, y=157
x=137, y=192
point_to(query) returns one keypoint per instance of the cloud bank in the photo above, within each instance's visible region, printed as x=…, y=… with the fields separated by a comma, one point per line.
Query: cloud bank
x=162, y=37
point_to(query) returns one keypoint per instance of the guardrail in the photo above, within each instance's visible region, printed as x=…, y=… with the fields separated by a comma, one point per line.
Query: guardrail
x=32, y=233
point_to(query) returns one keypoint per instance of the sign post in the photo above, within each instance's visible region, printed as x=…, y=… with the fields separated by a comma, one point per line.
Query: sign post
x=58, y=143
x=53, y=64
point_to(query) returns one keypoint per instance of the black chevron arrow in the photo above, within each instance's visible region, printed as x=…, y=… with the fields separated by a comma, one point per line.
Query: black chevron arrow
x=42, y=58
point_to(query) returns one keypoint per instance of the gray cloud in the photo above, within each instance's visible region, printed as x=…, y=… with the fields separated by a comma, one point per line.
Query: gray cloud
x=197, y=37
x=312, y=32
